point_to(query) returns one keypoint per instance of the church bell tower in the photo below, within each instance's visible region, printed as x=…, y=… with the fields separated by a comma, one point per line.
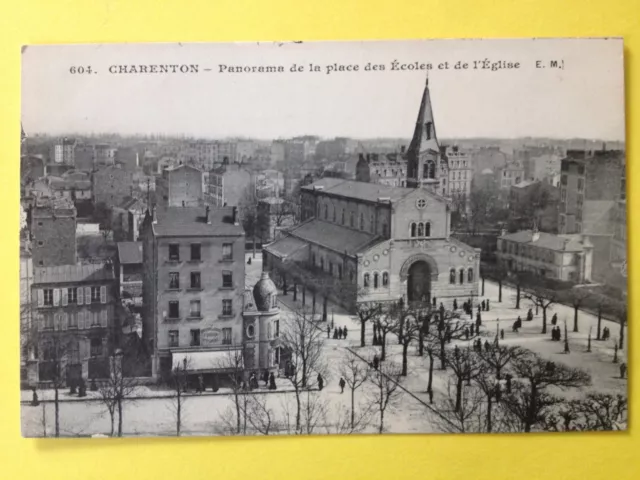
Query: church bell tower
x=426, y=164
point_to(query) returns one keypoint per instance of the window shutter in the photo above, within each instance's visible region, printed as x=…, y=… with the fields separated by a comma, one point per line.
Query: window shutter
x=56, y=297
x=41, y=323
x=56, y=321
x=81, y=320
x=41, y=298
x=65, y=297
x=103, y=294
x=80, y=295
x=87, y=295
x=64, y=321
x=103, y=318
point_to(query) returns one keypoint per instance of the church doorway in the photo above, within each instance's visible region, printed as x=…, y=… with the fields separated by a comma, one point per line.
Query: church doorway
x=419, y=282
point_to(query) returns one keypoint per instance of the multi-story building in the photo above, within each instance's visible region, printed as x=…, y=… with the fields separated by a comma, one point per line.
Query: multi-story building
x=426, y=164
x=619, y=240
x=74, y=185
x=127, y=157
x=193, y=287
x=226, y=152
x=534, y=202
x=129, y=267
x=112, y=184
x=385, y=169
x=64, y=151
x=510, y=174
x=75, y=330
x=278, y=150
x=562, y=257
x=105, y=154
x=227, y=185
x=85, y=158
x=127, y=218
x=180, y=186
x=376, y=243
x=460, y=177
x=53, y=232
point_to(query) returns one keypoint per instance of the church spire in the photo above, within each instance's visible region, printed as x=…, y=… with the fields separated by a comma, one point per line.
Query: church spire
x=424, y=135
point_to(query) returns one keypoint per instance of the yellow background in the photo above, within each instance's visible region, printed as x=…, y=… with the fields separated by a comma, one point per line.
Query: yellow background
x=579, y=456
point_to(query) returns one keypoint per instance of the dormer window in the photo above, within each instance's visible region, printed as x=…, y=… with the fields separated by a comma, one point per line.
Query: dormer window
x=428, y=127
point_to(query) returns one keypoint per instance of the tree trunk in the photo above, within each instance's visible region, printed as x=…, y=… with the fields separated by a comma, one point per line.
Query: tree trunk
x=383, y=341
x=544, y=320
x=254, y=246
x=353, y=408
x=405, y=349
x=295, y=292
x=304, y=295
x=362, y=327
x=324, y=309
x=430, y=383
x=575, y=318
x=443, y=366
x=297, y=410
x=119, y=417
x=500, y=291
x=599, y=324
x=483, y=286
x=238, y=419
x=420, y=343
x=401, y=331
x=518, y=297
x=380, y=430
x=621, y=344
x=531, y=411
x=178, y=414
x=459, y=382
x=57, y=410
x=489, y=408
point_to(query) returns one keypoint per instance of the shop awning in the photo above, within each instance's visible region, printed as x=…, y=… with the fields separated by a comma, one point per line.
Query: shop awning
x=211, y=360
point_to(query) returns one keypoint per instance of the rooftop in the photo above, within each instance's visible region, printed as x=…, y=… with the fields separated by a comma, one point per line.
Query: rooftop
x=73, y=273
x=130, y=253
x=560, y=243
x=335, y=237
x=191, y=221
x=524, y=184
x=371, y=192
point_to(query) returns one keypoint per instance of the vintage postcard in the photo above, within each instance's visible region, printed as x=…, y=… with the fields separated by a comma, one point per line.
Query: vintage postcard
x=323, y=238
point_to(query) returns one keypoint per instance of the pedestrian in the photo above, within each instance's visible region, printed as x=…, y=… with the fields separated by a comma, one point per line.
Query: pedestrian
x=502, y=334
x=559, y=333
x=470, y=312
x=335, y=334
x=483, y=305
x=466, y=333
x=441, y=310
x=253, y=382
x=200, y=383
x=623, y=369
x=249, y=261
x=328, y=331
x=34, y=398
x=320, y=382
x=455, y=305
x=435, y=300
x=488, y=305
x=554, y=319
x=344, y=332
x=478, y=322
x=342, y=383
x=376, y=362
x=471, y=330
x=529, y=315
x=487, y=346
x=265, y=378
x=272, y=382
x=479, y=308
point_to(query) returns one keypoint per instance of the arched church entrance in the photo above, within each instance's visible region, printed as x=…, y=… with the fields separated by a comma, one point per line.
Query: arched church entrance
x=419, y=282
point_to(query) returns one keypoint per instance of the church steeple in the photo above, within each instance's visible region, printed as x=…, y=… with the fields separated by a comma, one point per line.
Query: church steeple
x=424, y=135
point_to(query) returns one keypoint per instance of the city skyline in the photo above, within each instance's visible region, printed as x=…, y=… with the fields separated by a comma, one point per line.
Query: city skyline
x=516, y=103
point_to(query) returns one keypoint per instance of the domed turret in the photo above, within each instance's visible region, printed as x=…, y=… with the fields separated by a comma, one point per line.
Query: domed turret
x=265, y=293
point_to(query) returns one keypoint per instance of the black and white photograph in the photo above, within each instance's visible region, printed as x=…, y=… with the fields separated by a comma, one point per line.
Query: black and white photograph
x=310, y=238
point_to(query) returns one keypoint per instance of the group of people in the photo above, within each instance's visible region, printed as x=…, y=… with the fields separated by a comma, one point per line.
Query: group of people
x=477, y=345
x=467, y=307
x=339, y=333
x=556, y=334
x=606, y=334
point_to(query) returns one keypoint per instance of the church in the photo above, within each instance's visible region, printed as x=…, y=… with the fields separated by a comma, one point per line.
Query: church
x=361, y=242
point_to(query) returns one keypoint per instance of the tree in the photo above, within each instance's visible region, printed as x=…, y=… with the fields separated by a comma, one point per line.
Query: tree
x=303, y=340
x=578, y=296
x=260, y=416
x=489, y=385
x=622, y=321
x=465, y=366
x=519, y=279
x=355, y=373
x=407, y=326
x=385, y=323
x=460, y=416
x=103, y=215
x=529, y=401
x=178, y=383
x=386, y=394
x=499, y=274
x=498, y=357
x=366, y=312
x=600, y=411
x=446, y=330
x=543, y=298
x=115, y=390
x=233, y=364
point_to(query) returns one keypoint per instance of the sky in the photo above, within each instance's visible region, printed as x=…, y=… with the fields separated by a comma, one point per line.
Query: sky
x=584, y=99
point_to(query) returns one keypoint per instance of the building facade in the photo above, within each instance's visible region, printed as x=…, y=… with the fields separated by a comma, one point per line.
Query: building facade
x=460, y=177
x=64, y=151
x=75, y=330
x=510, y=174
x=112, y=184
x=562, y=257
x=227, y=185
x=193, y=286
x=385, y=169
x=53, y=232
x=376, y=243
x=180, y=186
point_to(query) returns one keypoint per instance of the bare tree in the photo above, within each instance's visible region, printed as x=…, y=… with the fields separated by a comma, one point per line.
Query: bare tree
x=465, y=365
x=529, y=401
x=115, y=390
x=543, y=298
x=448, y=328
x=261, y=417
x=314, y=410
x=600, y=411
x=408, y=326
x=385, y=323
x=303, y=340
x=355, y=373
x=366, y=312
x=233, y=364
x=500, y=356
x=462, y=418
x=386, y=393
x=489, y=385
x=578, y=297
x=178, y=384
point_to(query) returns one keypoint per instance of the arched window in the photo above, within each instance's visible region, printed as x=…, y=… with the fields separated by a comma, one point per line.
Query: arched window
x=274, y=301
x=372, y=224
x=427, y=229
x=321, y=263
x=452, y=276
x=362, y=221
x=470, y=275
x=461, y=276
x=366, y=280
x=413, y=229
x=326, y=212
x=385, y=279
x=430, y=169
x=343, y=219
x=420, y=229
x=376, y=280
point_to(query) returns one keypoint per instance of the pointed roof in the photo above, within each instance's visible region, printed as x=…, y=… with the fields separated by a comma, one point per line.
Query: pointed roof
x=419, y=142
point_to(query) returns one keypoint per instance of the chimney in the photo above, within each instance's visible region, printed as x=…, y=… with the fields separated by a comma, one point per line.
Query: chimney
x=234, y=216
x=206, y=214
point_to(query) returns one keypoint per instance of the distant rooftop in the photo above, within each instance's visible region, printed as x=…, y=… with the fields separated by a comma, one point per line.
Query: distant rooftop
x=130, y=253
x=371, y=192
x=191, y=221
x=73, y=273
x=560, y=243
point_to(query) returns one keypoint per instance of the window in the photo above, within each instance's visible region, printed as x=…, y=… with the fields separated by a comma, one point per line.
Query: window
x=461, y=276
x=226, y=336
x=174, y=309
x=376, y=279
x=96, y=347
x=174, y=338
x=452, y=276
x=194, y=309
x=427, y=229
x=227, y=279
x=276, y=328
x=580, y=184
x=428, y=127
x=340, y=272
x=421, y=203
x=174, y=252
x=470, y=275
x=48, y=296
x=581, y=170
x=430, y=169
x=384, y=229
x=366, y=280
x=227, y=251
x=195, y=280
x=195, y=252
x=274, y=301
x=362, y=221
x=321, y=263
x=343, y=217
x=385, y=279
x=326, y=212
x=195, y=337
x=313, y=259
x=174, y=280
x=95, y=294
x=72, y=318
x=413, y=229
x=227, y=307
x=420, y=230
x=372, y=224
x=352, y=220
x=334, y=214
x=251, y=331
x=72, y=296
